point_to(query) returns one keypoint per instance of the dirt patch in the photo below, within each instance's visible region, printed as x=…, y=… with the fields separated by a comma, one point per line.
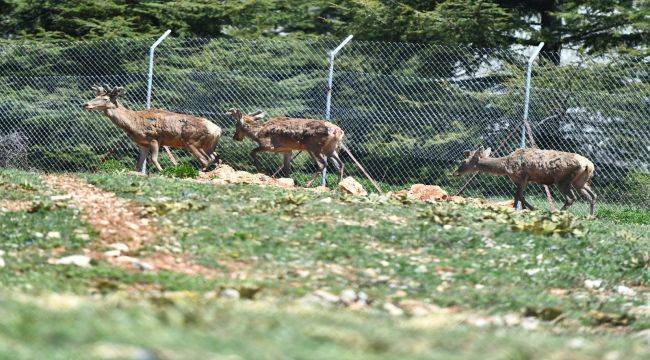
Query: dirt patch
x=119, y=221
x=15, y=205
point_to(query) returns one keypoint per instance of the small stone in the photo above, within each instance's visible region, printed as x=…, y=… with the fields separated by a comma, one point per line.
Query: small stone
x=326, y=200
x=229, y=293
x=392, y=309
x=112, y=253
x=348, y=296
x=421, y=269
x=53, y=235
x=2, y=262
x=531, y=272
x=119, y=246
x=84, y=237
x=351, y=186
x=140, y=265
x=77, y=260
x=593, y=284
x=61, y=197
x=624, y=290
x=327, y=296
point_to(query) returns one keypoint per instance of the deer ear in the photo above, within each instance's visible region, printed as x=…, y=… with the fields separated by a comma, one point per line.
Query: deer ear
x=467, y=153
x=261, y=115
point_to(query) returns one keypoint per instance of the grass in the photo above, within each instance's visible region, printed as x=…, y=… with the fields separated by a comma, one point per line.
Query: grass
x=481, y=263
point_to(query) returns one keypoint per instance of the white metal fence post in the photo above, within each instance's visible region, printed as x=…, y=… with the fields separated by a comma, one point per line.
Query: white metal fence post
x=330, y=78
x=529, y=72
x=150, y=80
x=524, y=124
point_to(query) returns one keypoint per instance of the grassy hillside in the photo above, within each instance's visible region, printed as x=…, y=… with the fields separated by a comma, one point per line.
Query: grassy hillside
x=263, y=272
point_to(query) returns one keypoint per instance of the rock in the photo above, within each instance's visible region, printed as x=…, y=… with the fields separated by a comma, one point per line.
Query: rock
x=348, y=296
x=229, y=293
x=2, y=262
x=77, y=260
x=285, y=183
x=422, y=269
x=140, y=265
x=430, y=193
x=350, y=186
x=53, y=235
x=593, y=284
x=119, y=246
x=392, y=309
x=624, y=290
x=327, y=296
x=61, y=197
x=112, y=253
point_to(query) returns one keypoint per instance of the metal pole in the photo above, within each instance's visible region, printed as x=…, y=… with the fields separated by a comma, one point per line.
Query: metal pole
x=330, y=78
x=150, y=80
x=529, y=71
x=150, y=76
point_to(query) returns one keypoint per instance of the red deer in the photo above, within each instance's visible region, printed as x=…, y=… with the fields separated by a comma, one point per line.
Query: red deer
x=567, y=170
x=321, y=139
x=151, y=129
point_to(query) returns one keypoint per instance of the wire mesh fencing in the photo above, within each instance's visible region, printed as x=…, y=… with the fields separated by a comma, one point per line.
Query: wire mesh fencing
x=408, y=110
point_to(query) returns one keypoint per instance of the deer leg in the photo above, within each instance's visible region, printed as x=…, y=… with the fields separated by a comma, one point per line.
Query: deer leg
x=519, y=196
x=590, y=196
x=565, y=188
x=154, y=154
x=254, y=159
x=286, y=161
x=320, y=168
x=211, y=153
x=144, y=151
x=338, y=164
x=199, y=156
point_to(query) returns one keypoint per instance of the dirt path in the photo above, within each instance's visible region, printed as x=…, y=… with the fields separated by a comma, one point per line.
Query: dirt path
x=120, y=222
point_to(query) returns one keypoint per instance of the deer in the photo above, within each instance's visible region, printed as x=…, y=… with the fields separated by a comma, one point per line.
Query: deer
x=319, y=138
x=151, y=129
x=567, y=171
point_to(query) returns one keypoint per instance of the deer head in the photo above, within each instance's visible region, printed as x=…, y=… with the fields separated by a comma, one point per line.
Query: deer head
x=105, y=97
x=243, y=120
x=470, y=164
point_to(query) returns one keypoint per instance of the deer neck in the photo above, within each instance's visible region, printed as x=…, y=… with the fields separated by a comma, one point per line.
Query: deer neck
x=251, y=130
x=124, y=118
x=494, y=166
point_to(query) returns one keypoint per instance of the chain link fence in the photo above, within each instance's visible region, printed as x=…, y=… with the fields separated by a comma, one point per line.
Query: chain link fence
x=408, y=110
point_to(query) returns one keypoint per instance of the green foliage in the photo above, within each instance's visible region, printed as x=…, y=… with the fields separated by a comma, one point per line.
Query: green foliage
x=596, y=26
x=112, y=166
x=181, y=171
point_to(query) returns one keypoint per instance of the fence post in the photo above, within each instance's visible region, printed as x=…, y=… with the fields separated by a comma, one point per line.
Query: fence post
x=524, y=124
x=330, y=78
x=529, y=71
x=150, y=83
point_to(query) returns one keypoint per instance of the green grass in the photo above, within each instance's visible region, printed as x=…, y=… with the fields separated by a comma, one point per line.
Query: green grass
x=287, y=245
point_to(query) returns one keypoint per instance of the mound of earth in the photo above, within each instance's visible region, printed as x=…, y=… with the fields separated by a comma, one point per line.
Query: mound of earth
x=225, y=174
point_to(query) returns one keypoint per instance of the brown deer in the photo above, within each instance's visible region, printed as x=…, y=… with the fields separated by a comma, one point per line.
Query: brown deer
x=151, y=129
x=321, y=139
x=547, y=167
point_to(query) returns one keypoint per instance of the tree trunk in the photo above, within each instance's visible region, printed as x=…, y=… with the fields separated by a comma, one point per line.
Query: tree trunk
x=551, y=30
